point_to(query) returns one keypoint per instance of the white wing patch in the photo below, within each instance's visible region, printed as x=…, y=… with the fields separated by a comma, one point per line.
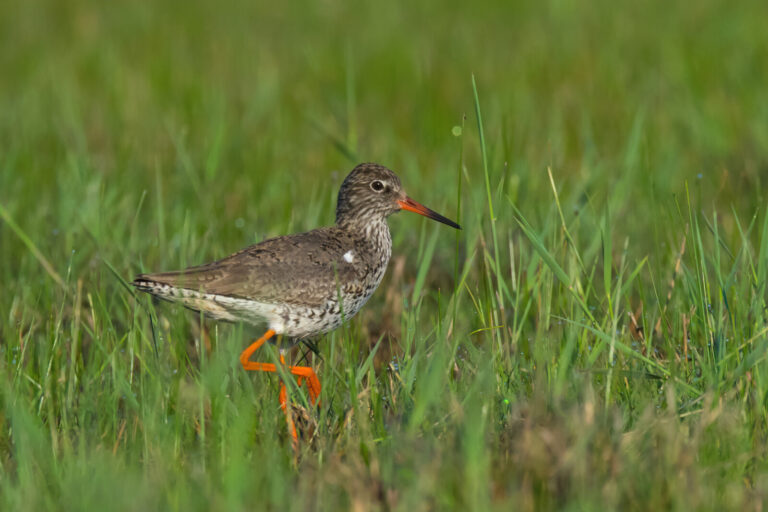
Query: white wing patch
x=349, y=256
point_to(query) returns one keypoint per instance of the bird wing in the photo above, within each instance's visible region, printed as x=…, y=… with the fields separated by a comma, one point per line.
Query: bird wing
x=305, y=268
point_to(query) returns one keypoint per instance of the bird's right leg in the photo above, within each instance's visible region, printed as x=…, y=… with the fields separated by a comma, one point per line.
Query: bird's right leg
x=248, y=365
x=245, y=357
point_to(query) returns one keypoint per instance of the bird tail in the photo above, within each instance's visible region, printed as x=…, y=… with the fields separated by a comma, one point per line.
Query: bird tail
x=163, y=286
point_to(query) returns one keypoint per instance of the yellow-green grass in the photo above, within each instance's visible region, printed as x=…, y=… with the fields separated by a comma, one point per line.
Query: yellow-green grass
x=594, y=338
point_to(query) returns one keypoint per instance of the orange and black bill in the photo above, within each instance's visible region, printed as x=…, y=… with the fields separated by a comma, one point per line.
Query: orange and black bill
x=412, y=206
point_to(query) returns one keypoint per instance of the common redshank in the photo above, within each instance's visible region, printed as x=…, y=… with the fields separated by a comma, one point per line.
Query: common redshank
x=302, y=285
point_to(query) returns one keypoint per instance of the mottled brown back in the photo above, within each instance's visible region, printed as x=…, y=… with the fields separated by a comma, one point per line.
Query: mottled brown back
x=304, y=268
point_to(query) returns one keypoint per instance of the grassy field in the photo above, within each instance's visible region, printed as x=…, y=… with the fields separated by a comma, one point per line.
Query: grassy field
x=594, y=339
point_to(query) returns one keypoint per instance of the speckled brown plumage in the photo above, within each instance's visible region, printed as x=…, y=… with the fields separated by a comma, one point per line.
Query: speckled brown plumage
x=293, y=283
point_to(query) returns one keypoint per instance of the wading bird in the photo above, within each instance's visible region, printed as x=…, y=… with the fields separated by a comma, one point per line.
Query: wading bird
x=301, y=285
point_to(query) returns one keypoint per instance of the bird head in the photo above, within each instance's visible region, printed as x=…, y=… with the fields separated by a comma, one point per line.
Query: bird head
x=371, y=191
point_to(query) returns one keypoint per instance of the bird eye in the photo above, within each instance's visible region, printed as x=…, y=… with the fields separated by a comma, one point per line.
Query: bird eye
x=377, y=186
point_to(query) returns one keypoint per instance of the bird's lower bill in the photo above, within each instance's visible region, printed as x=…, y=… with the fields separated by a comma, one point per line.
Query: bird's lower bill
x=412, y=206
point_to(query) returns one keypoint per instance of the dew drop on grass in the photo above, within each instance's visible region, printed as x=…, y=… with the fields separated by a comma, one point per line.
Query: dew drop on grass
x=456, y=131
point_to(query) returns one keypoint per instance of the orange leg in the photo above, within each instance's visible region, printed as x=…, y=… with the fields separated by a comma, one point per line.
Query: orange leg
x=289, y=417
x=313, y=383
x=302, y=372
x=246, y=355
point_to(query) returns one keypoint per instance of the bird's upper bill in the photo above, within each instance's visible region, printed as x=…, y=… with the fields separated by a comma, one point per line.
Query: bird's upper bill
x=412, y=206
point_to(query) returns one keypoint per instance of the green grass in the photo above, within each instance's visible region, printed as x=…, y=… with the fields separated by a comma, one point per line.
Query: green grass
x=594, y=338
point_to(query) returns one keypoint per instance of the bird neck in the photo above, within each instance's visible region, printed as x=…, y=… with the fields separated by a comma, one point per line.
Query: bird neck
x=374, y=230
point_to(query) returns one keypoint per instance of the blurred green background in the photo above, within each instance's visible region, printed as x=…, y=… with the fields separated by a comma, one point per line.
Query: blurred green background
x=598, y=344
